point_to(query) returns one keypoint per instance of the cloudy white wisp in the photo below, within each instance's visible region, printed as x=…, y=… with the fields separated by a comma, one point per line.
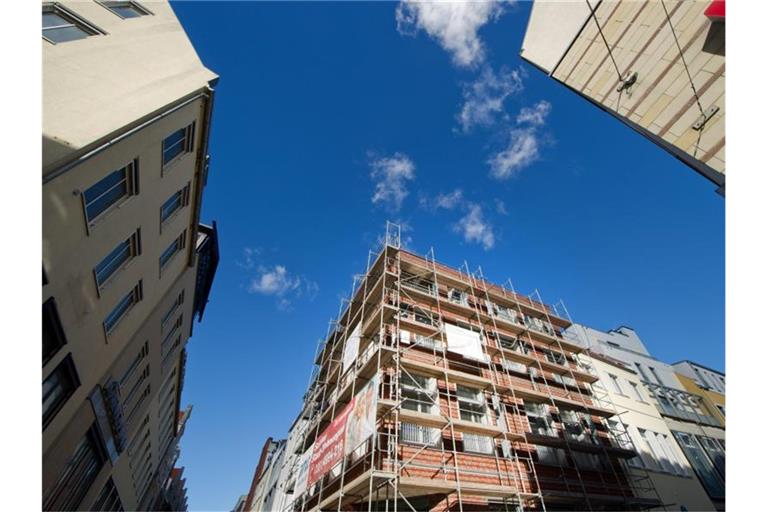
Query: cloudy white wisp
x=524, y=143
x=390, y=175
x=474, y=228
x=453, y=24
x=484, y=98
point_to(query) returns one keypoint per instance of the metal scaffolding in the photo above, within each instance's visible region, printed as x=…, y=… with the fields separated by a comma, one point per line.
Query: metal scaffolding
x=400, y=313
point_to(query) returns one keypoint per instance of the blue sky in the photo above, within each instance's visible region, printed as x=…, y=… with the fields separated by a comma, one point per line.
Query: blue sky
x=330, y=119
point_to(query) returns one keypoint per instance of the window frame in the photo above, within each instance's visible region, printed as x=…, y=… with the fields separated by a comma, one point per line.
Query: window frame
x=188, y=142
x=180, y=243
x=136, y=293
x=130, y=3
x=616, y=385
x=56, y=330
x=134, y=249
x=184, y=195
x=74, y=19
x=67, y=366
x=132, y=189
x=477, y=405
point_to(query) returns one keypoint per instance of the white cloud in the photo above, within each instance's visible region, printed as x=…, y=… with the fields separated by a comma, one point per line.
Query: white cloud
x=484, y=98
x=536, y=115
x=474, y=228
x=391, y=175
x=449, y=201
x=453, y=24
x=274, y=281
x=522, y=151
x=248, y=261
x=501, y=207
x=524, y=143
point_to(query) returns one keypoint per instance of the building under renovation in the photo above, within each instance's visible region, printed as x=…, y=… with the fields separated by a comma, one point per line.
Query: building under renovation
x=435, y=389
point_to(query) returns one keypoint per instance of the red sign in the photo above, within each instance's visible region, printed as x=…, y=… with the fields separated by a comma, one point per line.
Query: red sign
x=329, y=447
x=716, y=10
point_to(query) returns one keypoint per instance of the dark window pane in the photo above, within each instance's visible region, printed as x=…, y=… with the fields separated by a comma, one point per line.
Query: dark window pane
x=173, y=145
x=171, y=205
x=113, y=261
x=127, y=11
x=51, y=19
x=122, y=307
x=169, y=253
x=105, y=184
x=57, y=388
x=53, y=333
x=77, y=477
x=105, y=201
x=64, y=34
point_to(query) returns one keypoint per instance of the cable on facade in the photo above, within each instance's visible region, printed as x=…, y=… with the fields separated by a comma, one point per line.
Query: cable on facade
x=682, y=58
x=605, y=41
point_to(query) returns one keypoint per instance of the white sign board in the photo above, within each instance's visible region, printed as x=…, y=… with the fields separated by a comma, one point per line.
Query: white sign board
x=464, y=342
x=351, y=348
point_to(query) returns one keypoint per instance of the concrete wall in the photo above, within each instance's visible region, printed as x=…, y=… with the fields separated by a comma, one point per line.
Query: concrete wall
x=625, y=345
x=94, y=90
x=676, y=488
x=660, y=104
x=706, y=378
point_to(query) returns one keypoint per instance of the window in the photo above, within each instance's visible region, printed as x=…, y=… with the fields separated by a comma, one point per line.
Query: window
x=701, y=464
x=552, y=456
x=715, y=452
x=721, y=408
x=514, y=366
x=616, y=386
x=557, y=378
x=419, y=434
x=641, y=372
x=472, y=405
x=171, y=311
x=110, y=190
x=61, y=25
x=126, y=9
x=666, y=445
x=58, y=387
x=657, y=451
x=636, y=391
x=458, y=297
x=172, y=250
x=569, y=381
x=143, y=352
x=117, y=259
x=122, y=308
x=177, y=143
x=539, y=418
x=174, y=203
x=419, y=393
x=109, y=499
x=78, y=475
x=477, y=443
x=655, y=375
x=174, y=335
x=555, y=357
x=620, y=434
x=53, y=333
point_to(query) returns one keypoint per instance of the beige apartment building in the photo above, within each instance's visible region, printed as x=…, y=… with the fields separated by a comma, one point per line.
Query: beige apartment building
x=659, y=455
x=657, y=66
x=127, y=264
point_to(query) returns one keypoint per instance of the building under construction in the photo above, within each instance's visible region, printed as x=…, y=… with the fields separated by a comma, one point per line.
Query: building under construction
x=435, y=389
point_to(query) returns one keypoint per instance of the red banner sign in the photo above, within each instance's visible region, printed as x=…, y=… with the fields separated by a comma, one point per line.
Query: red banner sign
x=329, y=447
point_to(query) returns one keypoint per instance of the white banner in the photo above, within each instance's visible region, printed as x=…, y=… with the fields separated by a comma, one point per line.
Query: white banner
x=302, y=471
x=361, y=423
x=465, y=342
x=351, y=348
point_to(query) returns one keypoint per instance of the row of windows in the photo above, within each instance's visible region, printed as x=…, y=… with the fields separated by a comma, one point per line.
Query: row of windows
x=707, y=457
x=61, y=25
x=636, y=390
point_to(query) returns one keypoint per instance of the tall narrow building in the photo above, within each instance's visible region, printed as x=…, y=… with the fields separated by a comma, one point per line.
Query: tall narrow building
x=127, y=263
x=438, y=390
